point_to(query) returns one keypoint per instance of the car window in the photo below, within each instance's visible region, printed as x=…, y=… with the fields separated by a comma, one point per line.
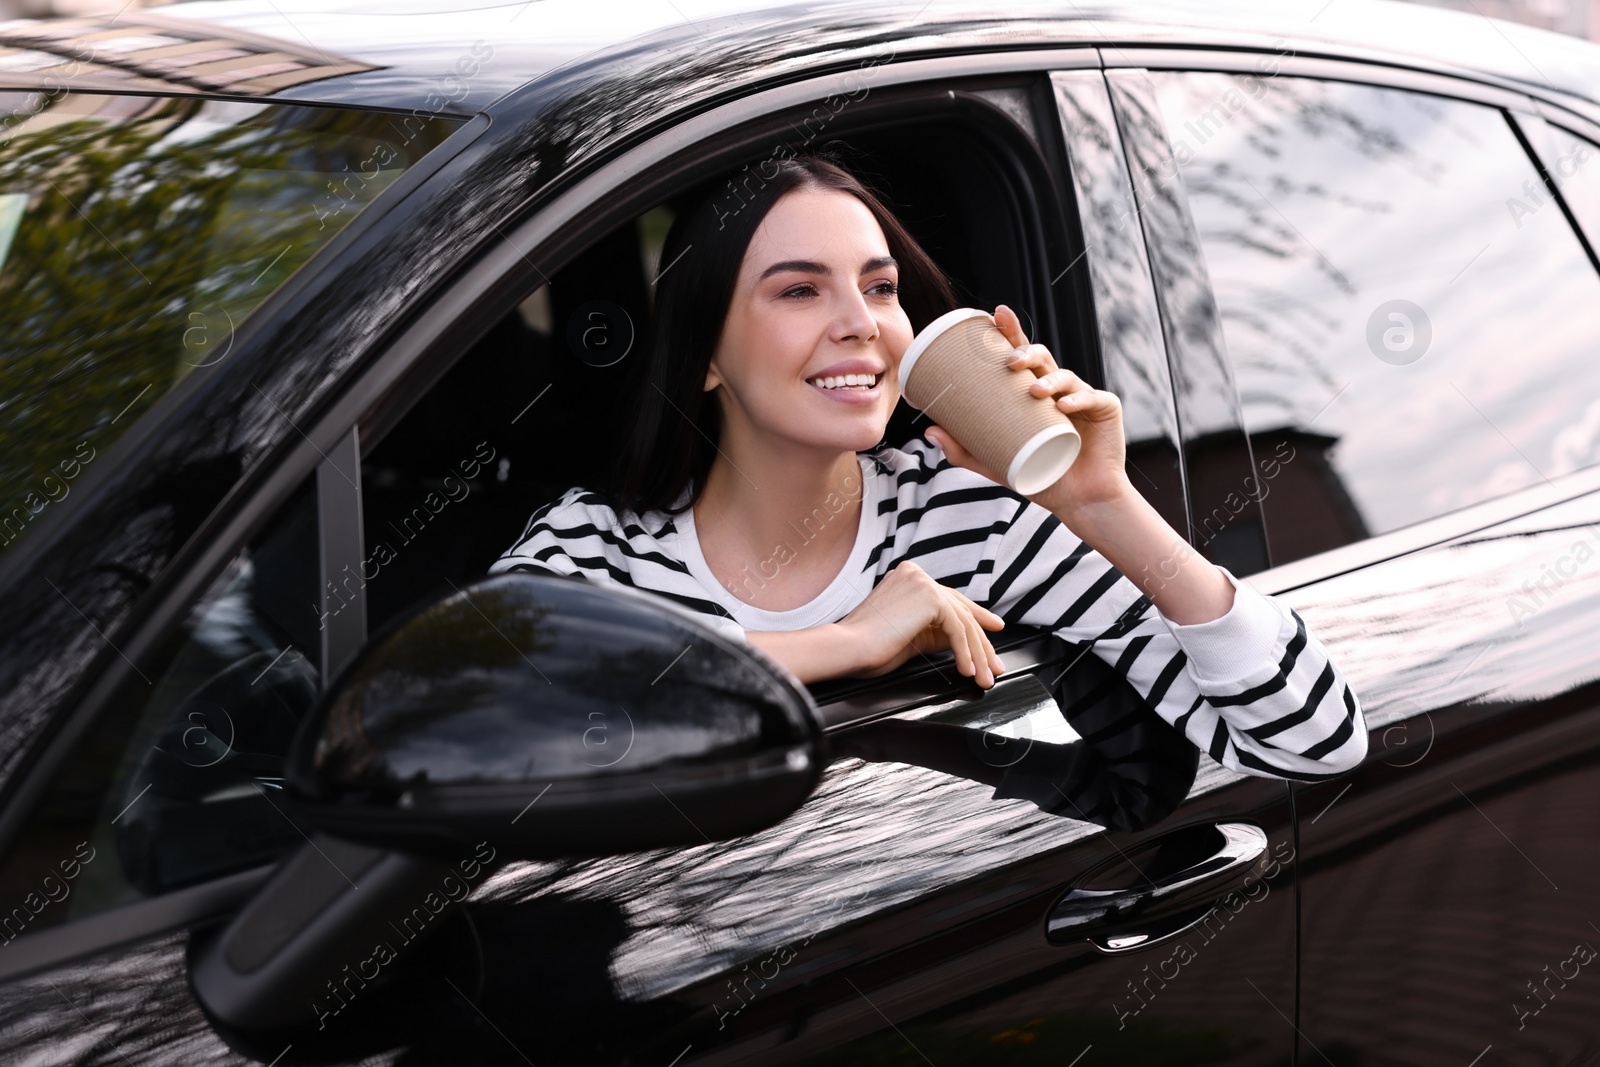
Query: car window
x=1405, y=339
x=523, y=415
x=532, y=408
x=177, y=781
x=136, y=235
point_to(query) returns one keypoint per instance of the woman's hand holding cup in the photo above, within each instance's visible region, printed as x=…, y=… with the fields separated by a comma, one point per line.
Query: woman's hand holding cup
x=1099, y=474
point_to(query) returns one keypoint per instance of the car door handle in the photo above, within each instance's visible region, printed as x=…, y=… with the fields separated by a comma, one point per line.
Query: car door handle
x=1122, y=920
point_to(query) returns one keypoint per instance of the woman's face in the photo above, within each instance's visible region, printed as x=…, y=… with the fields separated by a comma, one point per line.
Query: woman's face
x=815, y=297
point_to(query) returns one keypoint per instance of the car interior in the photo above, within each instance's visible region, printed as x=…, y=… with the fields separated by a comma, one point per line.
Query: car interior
x=529, y=393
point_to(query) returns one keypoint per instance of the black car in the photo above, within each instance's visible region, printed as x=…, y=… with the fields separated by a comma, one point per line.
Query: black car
x=306, y=311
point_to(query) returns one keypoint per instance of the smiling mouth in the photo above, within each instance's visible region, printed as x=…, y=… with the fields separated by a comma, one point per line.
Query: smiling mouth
x=861, y=383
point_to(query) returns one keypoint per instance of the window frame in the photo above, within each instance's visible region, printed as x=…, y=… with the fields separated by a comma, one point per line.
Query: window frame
x=507, y=273
x=1190, y=318
x=1101, y=182
x=1514, y=105
x=116, y=927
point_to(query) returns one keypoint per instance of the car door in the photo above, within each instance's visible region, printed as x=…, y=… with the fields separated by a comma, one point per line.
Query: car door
x=904, y=912
x=1403, y=290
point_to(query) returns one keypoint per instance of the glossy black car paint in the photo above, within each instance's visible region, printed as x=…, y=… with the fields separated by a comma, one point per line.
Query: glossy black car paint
x=216, y=456
x=410, y=751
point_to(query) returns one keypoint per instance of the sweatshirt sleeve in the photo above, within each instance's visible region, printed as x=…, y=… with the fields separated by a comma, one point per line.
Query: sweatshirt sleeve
x=577, y=535
x=1254, y=689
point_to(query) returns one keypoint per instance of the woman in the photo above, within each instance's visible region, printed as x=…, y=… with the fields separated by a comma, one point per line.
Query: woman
x=754, y=485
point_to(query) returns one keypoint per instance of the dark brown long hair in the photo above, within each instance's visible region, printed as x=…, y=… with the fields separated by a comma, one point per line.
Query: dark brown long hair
x=669, y=439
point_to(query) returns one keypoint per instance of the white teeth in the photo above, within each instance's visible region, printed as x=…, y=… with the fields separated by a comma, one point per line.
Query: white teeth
x=864, y=381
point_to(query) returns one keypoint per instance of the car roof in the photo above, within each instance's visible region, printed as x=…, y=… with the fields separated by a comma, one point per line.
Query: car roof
x=459, y=56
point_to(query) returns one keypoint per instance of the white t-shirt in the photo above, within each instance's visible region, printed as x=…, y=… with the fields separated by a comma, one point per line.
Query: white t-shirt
x=1254, y=689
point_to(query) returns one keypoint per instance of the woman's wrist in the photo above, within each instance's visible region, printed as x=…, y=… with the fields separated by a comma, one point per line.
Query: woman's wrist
x=1099, y=519
x=1124, y=528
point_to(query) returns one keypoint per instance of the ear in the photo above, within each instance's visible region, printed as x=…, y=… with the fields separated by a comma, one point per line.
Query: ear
x=713, y=379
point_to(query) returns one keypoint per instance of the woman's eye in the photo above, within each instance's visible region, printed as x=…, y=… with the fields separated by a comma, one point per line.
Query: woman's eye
x=885, y=288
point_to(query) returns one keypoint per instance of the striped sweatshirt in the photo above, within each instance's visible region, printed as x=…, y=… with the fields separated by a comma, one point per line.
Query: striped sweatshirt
x=1254, y=689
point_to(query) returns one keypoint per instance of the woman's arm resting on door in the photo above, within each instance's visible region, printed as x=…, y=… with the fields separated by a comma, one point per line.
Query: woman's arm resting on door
x=811, y=655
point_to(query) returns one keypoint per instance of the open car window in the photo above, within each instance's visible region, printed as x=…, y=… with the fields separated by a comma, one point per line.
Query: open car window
x=532, y=409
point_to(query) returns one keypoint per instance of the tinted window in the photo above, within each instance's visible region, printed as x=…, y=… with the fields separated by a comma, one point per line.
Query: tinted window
x=136, y=235
x=1406, y=340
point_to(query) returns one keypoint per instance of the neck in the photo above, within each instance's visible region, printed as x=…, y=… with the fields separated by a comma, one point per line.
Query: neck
x=759, y=497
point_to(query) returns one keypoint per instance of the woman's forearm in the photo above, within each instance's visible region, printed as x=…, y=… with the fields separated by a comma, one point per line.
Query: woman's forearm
x=812, y=654
x=1135, y=539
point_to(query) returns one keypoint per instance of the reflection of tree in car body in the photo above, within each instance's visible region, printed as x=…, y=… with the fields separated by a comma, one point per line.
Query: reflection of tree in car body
x=140, y=214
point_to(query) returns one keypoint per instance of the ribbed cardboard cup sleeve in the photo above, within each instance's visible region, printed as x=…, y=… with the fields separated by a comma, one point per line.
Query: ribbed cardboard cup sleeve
x=955, y=370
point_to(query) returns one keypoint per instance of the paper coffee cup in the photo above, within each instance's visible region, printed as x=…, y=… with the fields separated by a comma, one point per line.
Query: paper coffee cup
x=955, y=370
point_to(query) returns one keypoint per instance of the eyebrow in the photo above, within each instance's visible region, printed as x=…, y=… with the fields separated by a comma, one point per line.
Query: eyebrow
x=811, y=266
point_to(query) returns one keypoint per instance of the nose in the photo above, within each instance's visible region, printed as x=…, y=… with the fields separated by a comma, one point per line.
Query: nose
x=854, y=320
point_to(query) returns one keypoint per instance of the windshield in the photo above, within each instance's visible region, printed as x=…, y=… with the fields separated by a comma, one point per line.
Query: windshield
x=136, y=235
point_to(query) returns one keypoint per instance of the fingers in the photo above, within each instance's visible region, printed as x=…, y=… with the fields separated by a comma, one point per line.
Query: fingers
x=1034, y=357
x=1070, y=392
x=975, y=616
x=983, y=614
x=1010, y=325
x=1095, y=405
x=978, y=650
x=955, y=626
x=950, y=445
x=1074, y=396
x=953, y=616
x=960, y=456
x=1058, y=383
x=983, y=617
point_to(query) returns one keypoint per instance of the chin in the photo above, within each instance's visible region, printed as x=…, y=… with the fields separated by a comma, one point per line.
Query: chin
x=869, y=435
x=862, y=436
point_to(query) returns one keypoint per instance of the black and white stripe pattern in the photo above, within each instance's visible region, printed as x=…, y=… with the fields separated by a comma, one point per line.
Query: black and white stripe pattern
x=1254, y=689
x=578, y=533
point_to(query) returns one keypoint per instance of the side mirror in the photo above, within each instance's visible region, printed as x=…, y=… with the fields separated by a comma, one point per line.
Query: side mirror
x=524, y=717
x=552, y=717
